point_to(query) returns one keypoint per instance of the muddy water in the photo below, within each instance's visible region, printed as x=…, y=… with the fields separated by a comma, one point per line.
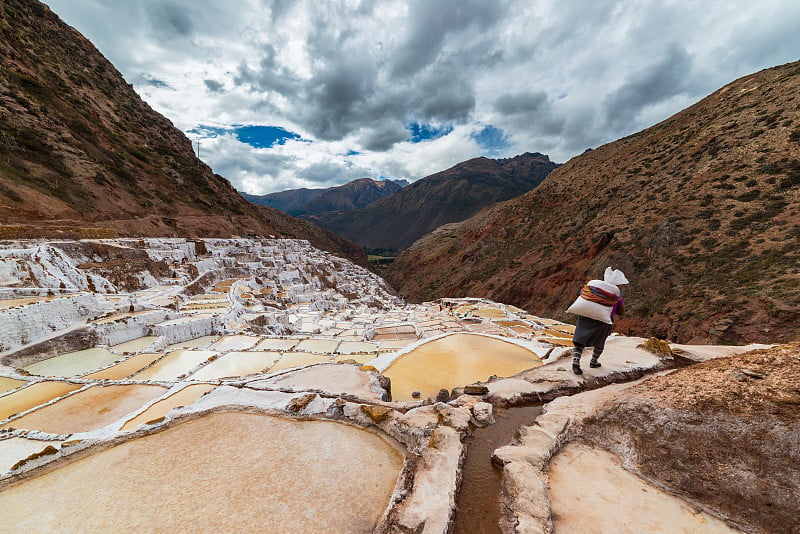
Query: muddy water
x=478, y=502
x=455, y=361
x=294, y=476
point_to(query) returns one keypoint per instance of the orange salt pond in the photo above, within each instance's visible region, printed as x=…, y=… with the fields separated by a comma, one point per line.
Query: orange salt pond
x=125, y=369
x=235, y=364
x=73, y=363
x=7, y=384
x=294, y=476
x=184, y=397
x=32, y=396
x=88, y=410
x=174, y=364
x=454, y=361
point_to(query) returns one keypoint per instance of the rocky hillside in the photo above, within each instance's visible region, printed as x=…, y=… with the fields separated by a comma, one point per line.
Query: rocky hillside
x=455, y=194
x=81, y=155
x=701, y=211
x=349, y=196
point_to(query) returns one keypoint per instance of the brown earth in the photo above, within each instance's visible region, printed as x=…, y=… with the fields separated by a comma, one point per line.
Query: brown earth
x=81, y=155
x=701, y=211
x=724, y=434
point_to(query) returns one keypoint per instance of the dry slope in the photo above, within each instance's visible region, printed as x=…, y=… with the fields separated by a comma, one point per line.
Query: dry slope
x=702, y=212
x=82, y=155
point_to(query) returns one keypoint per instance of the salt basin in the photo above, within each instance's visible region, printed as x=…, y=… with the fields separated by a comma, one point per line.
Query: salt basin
x=13, y=450
x=454, y=361
x=592, y=493
x=32, y=396
x=184, y=397
x=87, y=410
x=73, y=363
x=276, y=475
x=235, y=364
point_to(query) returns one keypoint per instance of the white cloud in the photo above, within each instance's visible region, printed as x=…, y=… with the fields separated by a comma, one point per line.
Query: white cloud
x=349, y=76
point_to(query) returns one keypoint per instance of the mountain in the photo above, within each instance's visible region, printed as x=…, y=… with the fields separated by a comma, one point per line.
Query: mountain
x=701, y=212
x=455, y=194
x=81, y=155
x=352, y=195
x=290, y=201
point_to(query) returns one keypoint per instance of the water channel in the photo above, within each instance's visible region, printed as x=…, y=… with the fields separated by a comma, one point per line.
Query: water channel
x=478, y=501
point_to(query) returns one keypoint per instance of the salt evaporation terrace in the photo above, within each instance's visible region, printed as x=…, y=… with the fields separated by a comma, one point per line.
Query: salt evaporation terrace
x=246, y=375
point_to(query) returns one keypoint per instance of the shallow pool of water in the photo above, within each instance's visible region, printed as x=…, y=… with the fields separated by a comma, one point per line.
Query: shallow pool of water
x=7, y=384
x=234, y=343
x=196, y=343
x=174, y=364
x=454, y=361
x=322, y=346
x=134, y=345
x=298, y=359
x=184, y=397
x=15, y=449
x=478, y=500
x=74, y=363
x=224, y=472
x=350, y=347
x=591, y=492
x=87, y=410
x=32, y=396
x=125, y=369
x=235, y=364
x=276, y=344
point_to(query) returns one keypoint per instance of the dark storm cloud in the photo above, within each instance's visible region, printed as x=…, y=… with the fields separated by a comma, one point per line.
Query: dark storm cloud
x=213, y=86
x=169, y=18
x=383, y=137
x=523, y=103
x=667, y=77
x=269, y=76
x=430, y=24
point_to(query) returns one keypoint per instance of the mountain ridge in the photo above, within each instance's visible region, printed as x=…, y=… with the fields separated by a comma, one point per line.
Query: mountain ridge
x=352, y=195
x=82, y=155
x=454, y=194
x=701, y=211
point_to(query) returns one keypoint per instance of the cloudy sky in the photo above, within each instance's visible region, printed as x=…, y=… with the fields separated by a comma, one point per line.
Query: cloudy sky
x=314, y=93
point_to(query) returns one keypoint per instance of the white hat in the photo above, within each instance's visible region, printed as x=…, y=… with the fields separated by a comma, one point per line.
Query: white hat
x=614, y=276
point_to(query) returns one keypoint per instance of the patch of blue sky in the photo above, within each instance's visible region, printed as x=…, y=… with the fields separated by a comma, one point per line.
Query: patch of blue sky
x=493, y=140
x=426, y=132
x=352, y=153
x=253, y=135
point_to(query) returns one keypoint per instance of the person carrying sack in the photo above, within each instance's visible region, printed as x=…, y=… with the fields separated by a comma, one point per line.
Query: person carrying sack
x=596, y=306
